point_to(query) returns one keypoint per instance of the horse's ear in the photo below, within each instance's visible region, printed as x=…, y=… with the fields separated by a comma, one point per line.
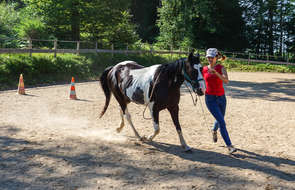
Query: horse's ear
x=191, y=54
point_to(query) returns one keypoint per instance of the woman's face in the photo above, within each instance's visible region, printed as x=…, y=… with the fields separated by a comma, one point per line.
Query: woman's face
x=211, y=60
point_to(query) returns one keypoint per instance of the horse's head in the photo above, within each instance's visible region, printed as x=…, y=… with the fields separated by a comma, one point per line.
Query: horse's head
x=193, y=73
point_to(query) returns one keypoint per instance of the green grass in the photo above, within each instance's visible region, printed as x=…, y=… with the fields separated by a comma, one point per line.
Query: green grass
x=44, y=69
x=233, y=65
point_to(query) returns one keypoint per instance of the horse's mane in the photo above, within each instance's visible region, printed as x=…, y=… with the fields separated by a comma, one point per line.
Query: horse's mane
x=173, y=69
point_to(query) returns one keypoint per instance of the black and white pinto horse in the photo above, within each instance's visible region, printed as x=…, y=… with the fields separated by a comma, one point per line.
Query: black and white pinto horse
x=157, y=87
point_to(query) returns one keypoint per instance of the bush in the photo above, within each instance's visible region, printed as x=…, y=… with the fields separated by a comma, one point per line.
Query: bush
x=45, y=69
x=41, y=69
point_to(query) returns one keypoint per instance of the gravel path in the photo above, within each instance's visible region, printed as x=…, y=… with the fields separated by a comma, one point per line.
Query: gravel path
x=50, y=142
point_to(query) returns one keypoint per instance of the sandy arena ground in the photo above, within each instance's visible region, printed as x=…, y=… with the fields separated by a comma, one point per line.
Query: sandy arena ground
x=50, y=142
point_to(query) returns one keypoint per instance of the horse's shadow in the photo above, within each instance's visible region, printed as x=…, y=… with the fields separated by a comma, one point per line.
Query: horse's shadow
x=243, y=159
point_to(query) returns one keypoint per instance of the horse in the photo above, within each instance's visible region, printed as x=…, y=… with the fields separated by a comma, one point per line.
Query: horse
x=157, y=87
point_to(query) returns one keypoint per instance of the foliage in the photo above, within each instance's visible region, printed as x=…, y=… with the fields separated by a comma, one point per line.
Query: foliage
x=71, y=19
x=31, y=28
x=175, y=23
x=8, y=20
x=43, y=69
x=145, y=16
x=269, y=25
x=234, y=65
x=256, y=26
x=201, y=24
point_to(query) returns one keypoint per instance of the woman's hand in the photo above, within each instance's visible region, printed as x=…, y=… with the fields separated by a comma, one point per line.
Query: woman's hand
x=212, y=71
x=223, y=77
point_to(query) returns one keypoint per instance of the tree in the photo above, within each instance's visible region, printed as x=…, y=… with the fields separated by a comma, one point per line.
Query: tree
x=9, y=18
x=269, y=25
x=92, y=20
x=220, y=24
x=202, y=24
x=176, y=23
x=145, y=16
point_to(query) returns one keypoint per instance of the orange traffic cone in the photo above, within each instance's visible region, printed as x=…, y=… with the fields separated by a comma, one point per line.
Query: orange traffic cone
x=21, y=85
x=73, y=91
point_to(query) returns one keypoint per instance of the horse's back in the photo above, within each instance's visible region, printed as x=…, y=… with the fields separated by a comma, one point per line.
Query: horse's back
x=134, y=80
x=130, y=65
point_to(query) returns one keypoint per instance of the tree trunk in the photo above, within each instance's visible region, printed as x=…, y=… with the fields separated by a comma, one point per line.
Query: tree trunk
x=271, y=11
x=75, y=20
x=281, y=28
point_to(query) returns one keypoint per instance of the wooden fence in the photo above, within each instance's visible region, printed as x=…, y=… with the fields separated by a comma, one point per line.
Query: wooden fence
x=30, y=50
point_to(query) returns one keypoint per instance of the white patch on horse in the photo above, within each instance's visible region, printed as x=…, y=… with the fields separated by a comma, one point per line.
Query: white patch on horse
x=156, y=125
x=141, y=81
x=112, y=73
x=125, y=62
x=200, y=77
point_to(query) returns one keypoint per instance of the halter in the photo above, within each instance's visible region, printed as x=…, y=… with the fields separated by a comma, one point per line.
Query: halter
x=187, y=78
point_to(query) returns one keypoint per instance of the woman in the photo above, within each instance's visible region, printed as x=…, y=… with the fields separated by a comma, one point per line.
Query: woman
x=215, y=75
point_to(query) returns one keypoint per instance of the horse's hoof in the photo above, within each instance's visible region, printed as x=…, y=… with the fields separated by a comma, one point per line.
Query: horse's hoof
x=119, y=130
x=150, y=138
x=143, y=139
x=187, y=149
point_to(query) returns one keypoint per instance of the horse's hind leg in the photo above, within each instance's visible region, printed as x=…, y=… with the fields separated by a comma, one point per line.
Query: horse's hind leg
x=125, y=113
x=155, y=117
x=174, y=115
x=119, y=129
x=128, y=117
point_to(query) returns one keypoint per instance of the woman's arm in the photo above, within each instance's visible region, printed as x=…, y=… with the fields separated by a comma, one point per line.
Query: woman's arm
x=223, y=77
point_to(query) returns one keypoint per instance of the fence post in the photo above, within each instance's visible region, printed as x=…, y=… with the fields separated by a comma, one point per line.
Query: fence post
x=249, y=58
x=96, y=45
x=126, y=50
x=30, y=46
x=78, y=47
x=55, y=47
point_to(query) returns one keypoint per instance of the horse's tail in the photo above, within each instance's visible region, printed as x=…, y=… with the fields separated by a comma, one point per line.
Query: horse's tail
x=105, y=87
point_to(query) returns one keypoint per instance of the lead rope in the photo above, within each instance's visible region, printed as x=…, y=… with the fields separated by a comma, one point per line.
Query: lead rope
x=194, y=102
x=150, y=97
x=204, y=116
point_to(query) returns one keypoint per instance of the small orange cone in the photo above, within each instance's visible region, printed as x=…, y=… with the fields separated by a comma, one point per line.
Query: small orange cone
x=73, y=91
x=21, y=85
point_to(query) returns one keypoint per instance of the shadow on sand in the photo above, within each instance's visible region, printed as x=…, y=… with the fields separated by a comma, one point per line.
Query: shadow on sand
x=282, y=90
x=243, y=159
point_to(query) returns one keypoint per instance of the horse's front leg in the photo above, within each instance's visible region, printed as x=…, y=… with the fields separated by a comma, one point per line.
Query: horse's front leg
x=155, y=116
x=174, y=115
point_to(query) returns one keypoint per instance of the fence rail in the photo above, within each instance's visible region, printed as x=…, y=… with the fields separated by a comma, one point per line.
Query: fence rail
x=250, y=57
